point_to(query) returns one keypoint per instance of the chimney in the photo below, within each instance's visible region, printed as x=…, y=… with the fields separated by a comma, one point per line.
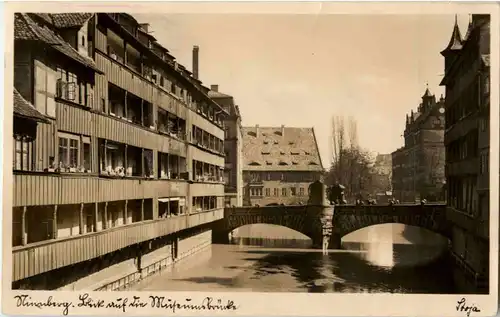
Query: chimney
x=196, y=50
x=257, y=130
x=282, y=130
x=144, y=26
x=214, y=88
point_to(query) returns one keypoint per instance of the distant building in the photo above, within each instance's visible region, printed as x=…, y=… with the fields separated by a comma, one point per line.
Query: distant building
x=381, y=176
x=279, y=164
x=232, y=147
x=467, y=82
x=418, y=167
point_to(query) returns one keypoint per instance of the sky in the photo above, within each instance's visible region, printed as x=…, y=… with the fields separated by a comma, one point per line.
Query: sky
x=301, y=70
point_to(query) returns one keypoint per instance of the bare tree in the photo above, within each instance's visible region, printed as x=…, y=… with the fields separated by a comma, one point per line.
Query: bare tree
x=351, y=165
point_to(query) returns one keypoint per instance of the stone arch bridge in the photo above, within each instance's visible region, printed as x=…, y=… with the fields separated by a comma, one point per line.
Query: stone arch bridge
x=320, y=222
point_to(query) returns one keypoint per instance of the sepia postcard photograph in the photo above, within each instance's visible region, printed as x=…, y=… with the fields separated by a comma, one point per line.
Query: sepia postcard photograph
x=251, y=159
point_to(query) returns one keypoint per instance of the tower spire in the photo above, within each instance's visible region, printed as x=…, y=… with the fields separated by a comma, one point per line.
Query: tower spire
x=455, y=40
x=469, y=28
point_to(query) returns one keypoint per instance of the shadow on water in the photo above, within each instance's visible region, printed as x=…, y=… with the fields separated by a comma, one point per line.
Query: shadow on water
x=378, y=260
x=347, y=272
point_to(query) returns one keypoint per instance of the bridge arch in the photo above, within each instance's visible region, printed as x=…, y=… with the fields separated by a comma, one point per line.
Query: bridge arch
x=348, y=219
x=292, y=217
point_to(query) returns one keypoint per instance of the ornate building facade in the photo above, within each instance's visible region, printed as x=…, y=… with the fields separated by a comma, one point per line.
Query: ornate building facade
x=418, y=167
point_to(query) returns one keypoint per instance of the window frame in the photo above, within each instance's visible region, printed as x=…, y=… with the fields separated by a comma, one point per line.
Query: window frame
x=23, y=140
x=44, y=96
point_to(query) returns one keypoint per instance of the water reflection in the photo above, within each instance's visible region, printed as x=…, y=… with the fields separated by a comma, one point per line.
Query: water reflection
x=409, y=262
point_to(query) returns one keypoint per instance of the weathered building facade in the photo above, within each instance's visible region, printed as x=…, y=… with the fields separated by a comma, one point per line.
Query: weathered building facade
x=233, y=147
x=128, y=168
x=467, y=82
x=279, y=164
x=418, y=167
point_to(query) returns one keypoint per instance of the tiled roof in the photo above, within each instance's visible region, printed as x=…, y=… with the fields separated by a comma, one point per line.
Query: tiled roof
x=267, y=149
x=26, y=29
x=69, y=20
x=65, y=20
x=216, y=94
x=23, y=108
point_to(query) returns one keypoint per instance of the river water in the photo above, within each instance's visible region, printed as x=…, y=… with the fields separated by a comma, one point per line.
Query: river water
x=387, y=258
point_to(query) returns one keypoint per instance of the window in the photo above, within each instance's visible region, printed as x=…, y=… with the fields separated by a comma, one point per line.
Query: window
x=301, y=191
x=86, y=153
x=268, y=192
x=486, y=83
x=83, y=40
x=68, y=151
x=483, y=163
x=483, y=123
x=23, y=154
x=283, y=192
x=293, y=191
x=45, y=89
x=74, y=152
x=276, y=192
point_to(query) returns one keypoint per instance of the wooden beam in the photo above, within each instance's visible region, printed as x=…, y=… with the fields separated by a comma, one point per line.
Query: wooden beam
x=125, y=213
x=24, y=237
x=96, y=216
x=142, y=209
x=54, y=223
x=105, y=220
x=81, y=219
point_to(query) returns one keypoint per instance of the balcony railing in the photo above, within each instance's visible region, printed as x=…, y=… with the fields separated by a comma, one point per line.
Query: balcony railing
x=49, y=255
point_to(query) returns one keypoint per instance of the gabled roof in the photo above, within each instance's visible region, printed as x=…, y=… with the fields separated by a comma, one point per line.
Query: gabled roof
x=26, y=29
x=24, y=109
x=267, y=149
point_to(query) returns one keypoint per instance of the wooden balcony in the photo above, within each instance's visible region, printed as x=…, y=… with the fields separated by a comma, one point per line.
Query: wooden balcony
x=127, y=79
x=60, y=189
x=204, y=189
x=49, y=255
x=80, y=121
x=206, y=157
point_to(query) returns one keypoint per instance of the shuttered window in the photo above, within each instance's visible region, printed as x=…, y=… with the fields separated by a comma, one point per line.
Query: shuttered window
x=45, y=89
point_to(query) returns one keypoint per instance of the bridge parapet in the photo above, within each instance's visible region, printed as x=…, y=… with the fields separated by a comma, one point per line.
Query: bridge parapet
x=349, y=218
